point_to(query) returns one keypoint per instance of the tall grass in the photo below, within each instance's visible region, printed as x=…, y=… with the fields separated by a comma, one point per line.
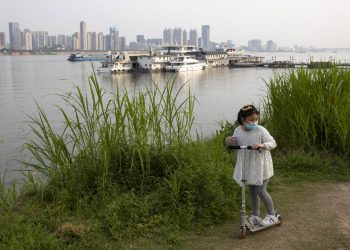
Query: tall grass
x=129, y=138
x=130, y=161
x=310, y=108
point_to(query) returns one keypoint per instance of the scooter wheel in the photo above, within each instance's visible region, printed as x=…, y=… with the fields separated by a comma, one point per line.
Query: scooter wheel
x=242, y=233
x=280, y=220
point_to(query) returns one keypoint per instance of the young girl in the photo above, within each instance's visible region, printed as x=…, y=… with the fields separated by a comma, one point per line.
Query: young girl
x=259, y=167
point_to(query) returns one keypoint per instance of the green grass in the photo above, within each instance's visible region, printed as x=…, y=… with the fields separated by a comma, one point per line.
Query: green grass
x=126, y=168
x=310, y=109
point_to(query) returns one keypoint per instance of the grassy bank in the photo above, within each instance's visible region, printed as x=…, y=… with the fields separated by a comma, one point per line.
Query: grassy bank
x=127, y=168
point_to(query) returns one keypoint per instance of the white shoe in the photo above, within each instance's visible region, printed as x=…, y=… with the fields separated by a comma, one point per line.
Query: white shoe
x=269, y=220
x=255, y=220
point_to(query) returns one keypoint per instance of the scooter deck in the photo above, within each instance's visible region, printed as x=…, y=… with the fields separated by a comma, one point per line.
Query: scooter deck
x=259, y=227
x=255, y=228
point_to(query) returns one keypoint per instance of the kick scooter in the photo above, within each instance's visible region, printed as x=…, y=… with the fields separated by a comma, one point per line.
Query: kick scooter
x=245, y=222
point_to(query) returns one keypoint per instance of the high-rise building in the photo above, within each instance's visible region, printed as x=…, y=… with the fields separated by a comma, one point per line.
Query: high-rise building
x=206, y=37
x=40, y=39
x=101, y=41
x=154, y=41
x=140, y=39
x=271, y=46
x=94, y=41
x=83, y=36
x=76, y=41
x=52, y=42
x=178, y=36
x=168, y=36
x=62, y=41
x=27, y=40
x=255, y=45
x=107, y=42
x=89, y=41
x=193, y=38
x=200, y=44
x=230, y=44
x=184, y=38
x=122, y=43
x=114, y=38
x=2, y=40
x=15, y=36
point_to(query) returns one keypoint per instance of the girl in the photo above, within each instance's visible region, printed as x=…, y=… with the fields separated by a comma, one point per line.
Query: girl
x=259, y=167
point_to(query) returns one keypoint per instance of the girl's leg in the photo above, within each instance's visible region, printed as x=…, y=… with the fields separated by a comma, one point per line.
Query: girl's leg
x=254, y=200
x=266, y=198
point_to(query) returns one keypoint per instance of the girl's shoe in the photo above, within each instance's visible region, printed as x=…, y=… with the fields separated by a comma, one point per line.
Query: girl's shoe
x=269, y=220
x=255, y=220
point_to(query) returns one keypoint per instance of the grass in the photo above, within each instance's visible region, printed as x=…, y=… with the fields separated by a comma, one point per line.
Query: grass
x=309, y=109
x=127, y=169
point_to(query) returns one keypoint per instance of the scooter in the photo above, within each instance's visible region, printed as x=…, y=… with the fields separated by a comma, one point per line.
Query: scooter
x=245, y=222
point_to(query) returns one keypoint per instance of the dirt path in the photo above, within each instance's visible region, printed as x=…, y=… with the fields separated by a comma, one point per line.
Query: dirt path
x=316, y=216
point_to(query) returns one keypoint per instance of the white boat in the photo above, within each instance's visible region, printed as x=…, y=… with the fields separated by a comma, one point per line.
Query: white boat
x=117, y=63
x=185, y=63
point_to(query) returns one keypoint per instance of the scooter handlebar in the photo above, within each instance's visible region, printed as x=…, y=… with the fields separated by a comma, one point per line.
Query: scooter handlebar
x=242, y=147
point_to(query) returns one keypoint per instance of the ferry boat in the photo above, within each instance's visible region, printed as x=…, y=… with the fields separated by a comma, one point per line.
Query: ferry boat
x=185, y=63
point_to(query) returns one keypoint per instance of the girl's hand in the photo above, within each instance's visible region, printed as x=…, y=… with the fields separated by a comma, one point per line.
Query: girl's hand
x=259, y=146
x=230, y=141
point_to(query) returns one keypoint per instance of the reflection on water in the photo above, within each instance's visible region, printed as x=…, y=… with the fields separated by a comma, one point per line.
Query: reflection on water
x=220, y=93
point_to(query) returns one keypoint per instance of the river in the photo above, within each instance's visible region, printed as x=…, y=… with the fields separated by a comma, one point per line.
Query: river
x=25, y=80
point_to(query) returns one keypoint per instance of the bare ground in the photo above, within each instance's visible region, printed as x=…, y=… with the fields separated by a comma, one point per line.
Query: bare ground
x=315, y=216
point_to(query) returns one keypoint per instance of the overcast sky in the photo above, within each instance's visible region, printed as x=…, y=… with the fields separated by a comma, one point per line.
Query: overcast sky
x=321, y=23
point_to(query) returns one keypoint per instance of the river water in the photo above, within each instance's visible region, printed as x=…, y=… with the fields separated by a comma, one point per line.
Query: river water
x=25, y=80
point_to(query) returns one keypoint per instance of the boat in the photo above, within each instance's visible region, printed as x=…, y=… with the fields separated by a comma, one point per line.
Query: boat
x=78, y=57
x=116, y=63
x=185, y=63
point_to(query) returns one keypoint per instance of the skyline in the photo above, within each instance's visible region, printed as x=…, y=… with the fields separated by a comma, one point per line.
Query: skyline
x=323, y=24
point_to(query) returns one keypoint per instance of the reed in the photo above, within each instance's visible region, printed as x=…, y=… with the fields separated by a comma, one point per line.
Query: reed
x=310, y=108
x=130, y=139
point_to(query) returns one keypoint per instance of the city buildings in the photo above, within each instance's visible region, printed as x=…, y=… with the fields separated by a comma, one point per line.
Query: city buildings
x=168, y=36
x=101, y=41
x=193, y=38
x=85, y=40
x=2, y=40
x=27, y=40
x=76, y=41
x=271, y=46
x=114, y=38
x=206, y=37
x=122, y=43
x=184, y=38
x=40, y=40
x=140, y=39
x=255, y=45
x=94, y=41
x=178, y=36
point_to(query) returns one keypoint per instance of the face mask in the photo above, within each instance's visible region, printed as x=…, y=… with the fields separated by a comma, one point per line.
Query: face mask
x=251, y=125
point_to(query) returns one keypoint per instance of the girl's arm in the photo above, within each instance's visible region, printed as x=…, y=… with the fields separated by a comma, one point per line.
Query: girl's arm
x=267, y=140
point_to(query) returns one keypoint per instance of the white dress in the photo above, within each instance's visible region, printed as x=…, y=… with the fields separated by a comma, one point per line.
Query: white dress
x=259, y=164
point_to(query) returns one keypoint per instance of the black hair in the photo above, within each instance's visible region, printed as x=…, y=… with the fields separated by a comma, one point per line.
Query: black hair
x=245, y=112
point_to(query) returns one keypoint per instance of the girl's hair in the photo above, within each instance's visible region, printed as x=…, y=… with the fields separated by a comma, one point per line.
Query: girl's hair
x=245, y=112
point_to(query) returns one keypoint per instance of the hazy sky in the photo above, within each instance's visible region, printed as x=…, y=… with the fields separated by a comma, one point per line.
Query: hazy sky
x=321, y=23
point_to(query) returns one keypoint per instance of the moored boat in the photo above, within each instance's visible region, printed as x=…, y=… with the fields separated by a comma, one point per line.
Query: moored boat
x=185, y=63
